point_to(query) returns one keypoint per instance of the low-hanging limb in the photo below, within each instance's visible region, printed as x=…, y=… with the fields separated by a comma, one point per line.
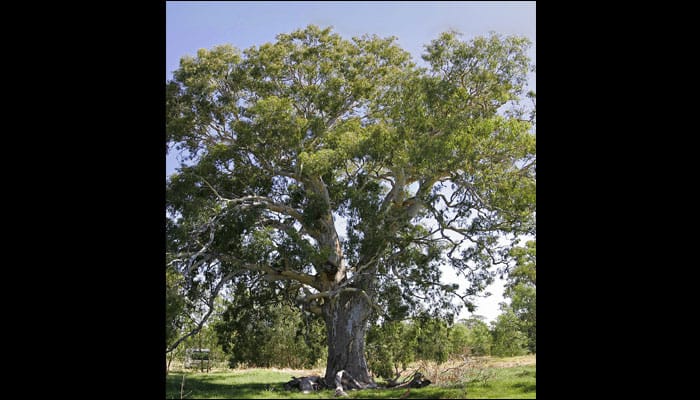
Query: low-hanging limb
x=204, y=319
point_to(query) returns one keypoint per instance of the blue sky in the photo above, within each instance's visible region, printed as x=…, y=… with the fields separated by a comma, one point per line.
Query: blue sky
x=193, y=25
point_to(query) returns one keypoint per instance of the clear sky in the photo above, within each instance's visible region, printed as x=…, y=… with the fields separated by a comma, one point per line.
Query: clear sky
x=194, y=25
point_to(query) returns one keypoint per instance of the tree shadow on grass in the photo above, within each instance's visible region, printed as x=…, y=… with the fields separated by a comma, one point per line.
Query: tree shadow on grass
x=526, y=387
x=212, y=387
x=207, y=386
x=435, y=392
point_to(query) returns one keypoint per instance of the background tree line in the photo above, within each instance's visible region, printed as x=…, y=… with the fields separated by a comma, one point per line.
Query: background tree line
x=259, y=330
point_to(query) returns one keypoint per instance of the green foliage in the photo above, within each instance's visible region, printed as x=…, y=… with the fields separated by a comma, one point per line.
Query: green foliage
x=521, y=289
x=174, y=305
x=459, y=340
x=473, y=335
x=508, y=339
x=390, y=347
x=433, y=342
x=258, y=332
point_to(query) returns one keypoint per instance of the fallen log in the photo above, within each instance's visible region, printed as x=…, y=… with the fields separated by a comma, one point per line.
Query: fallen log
x=417, y=380
x=306, y=384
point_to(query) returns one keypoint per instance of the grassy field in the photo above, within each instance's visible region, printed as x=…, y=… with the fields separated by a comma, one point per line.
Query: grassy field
x=513, y=378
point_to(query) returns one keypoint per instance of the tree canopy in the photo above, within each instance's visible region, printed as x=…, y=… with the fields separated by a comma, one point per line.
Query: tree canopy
x=324, y=169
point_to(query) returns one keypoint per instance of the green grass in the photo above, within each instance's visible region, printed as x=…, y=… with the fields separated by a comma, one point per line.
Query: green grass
x=511, y=383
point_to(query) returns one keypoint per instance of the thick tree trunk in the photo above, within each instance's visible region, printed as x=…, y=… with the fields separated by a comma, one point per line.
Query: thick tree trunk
x=346, y=318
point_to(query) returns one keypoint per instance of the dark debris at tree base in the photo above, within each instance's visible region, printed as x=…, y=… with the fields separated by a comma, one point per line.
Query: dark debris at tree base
x=307, y=384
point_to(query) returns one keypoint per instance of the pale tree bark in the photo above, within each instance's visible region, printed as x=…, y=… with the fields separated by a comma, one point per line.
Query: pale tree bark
x=346, y=317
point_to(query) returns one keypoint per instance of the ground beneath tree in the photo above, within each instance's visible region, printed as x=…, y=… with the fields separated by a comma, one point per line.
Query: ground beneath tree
x=514, y=377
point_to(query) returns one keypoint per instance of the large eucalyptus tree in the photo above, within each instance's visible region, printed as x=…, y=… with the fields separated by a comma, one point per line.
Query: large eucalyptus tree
x=339, y=174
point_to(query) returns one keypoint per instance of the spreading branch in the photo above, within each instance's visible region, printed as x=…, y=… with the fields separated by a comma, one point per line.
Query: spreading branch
x=210, y=305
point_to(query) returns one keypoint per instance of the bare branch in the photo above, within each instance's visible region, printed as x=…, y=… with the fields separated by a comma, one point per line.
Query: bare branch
x=204, y=319
x=271, y=275
x=360, y=268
